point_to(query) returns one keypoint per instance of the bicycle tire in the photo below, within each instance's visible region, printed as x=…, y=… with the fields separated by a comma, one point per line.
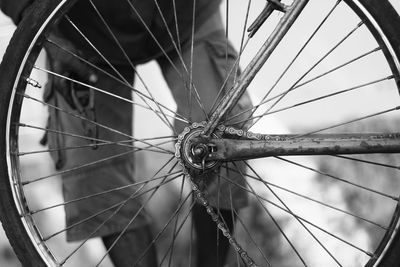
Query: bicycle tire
x=380, y=17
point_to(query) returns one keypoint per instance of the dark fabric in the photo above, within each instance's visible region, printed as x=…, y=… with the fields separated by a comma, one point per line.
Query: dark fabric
x=129, y=22
x=108, y=213
x=14, y=8
x=212, y=247
x=133, y=248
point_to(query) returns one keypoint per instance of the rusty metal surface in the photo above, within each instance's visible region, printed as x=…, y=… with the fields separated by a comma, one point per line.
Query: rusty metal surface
x=286, y=145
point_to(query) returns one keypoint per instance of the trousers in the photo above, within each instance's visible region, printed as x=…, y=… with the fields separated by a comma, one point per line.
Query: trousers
x=105, y=172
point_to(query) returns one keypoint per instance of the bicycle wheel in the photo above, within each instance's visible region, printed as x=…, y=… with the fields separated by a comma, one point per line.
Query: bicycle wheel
x=336, y=71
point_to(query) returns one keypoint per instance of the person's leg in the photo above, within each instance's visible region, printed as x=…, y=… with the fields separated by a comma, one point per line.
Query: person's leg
x=212, y=247
x=132, y=248
x=111, y=171
x=211, y=63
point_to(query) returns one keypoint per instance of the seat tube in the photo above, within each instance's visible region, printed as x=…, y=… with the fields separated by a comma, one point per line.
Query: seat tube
x=231, y=98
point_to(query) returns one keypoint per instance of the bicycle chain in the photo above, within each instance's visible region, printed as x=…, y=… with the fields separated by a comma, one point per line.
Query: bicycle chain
x=200, y=195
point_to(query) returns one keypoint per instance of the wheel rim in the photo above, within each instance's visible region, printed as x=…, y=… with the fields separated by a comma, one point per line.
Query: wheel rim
x=20, y=193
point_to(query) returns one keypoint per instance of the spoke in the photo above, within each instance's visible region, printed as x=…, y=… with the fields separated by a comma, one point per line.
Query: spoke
x=297, y=55
x=192, y=59
x=78, y=30
x=263, y=102
x=110, y=31
x=218, y=98
x=101, y=91
x=337, y=67
x=191, y=239
x=119, y=143
x=226, y=36
x=251, y=238
x=339, y=179
x=75, y=55
x=361, y=86
x=332, y=94
x=146, y=181
x=94, y=88
x=92, y=139
x=118, y=206
x=179, y=52
x=350, y=121
x=174, y=176
x=163, y=118
x=82, y=166
x=313, y=67
x=77, y=116
x=258, y=178
x=369, y=162
x=233, y=215
x=177, y=28
x=177, y=44
x=129, y=86
x=218, y=208
x=236, y=65
x=317, y=63
x=198, y=99
x=270, y=215
x=176, y=223
x=168, y=30
x=97, y=89
x=242, y=40
x=179, y=229
x=298, y=220
x=75, y=168
x=301, y=218
x=122, y=204
x=92, y=146
x=154, y=191
x=159, y=234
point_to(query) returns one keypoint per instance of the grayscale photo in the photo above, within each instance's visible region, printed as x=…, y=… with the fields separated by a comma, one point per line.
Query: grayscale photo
x=200, y=133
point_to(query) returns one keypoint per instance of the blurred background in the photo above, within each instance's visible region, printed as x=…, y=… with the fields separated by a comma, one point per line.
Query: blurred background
x=7, y=257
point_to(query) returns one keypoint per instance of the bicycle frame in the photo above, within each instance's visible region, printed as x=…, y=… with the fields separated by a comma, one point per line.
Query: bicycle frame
x=322, y=144
x=284, y=145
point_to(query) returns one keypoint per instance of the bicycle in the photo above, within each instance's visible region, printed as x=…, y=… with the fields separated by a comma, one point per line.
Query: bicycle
x=344, y=133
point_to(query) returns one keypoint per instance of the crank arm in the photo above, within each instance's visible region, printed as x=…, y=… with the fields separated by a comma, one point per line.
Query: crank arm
x=329, y=144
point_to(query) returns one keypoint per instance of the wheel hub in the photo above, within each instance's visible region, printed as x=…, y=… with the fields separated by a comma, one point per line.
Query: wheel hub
x=192, y=149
